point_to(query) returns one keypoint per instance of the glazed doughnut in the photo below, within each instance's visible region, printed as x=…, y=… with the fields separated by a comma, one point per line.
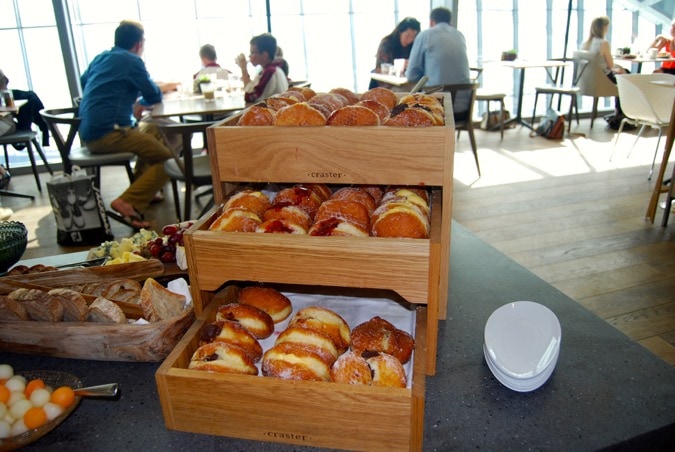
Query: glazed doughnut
x=223, y=357
x=387, y=371
x=356, y=194
x=337, y=227
x=404, y=116
x=352, y=369
x=294, y=214
x=280, y=226
x=350, y=211
x=276, y=103
x=379, y=109
x=399, y=219
x=254, y=319
x=351, y=96
x=321, y=344
x=233, y=333
x=323, y=191
x=378, y=335
x=236, y=219
x=382, y=95
x=255, y=201
x=325, y=322
x=300, y=114
x=301, y=197
x=353, y=115
x=294, y=362
x=256, y=115
x=270, y=300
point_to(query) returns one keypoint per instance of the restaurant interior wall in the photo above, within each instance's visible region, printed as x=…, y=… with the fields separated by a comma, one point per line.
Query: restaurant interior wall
x=329, y=43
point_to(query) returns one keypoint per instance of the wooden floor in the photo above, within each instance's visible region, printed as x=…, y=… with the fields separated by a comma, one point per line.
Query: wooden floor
x=560, y=209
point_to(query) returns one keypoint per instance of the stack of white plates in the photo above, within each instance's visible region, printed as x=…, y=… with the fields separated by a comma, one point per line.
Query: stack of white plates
x=522, y=343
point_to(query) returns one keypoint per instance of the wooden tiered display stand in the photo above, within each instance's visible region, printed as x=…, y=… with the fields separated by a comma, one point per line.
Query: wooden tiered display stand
x=306, y=412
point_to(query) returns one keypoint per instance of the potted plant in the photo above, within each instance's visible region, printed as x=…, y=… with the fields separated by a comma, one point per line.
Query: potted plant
x=509, y=55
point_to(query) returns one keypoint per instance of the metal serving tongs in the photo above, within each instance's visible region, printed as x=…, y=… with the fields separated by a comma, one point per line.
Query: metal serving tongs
x=107, y=390
x=420, y=83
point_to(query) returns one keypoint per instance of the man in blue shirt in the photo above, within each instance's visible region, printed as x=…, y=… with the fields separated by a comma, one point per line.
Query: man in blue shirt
x=116, y=90
x=440, y=53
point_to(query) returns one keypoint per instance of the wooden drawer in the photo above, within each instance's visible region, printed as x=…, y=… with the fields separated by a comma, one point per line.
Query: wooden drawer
x=299, y=412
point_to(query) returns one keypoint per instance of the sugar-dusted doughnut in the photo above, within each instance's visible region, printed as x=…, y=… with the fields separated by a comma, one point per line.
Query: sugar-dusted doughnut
x=350, y=211
x=270, y=300
x=233, y=333
x=256, y=115
x=320, y=343
x=387, y=371
x=326, y=322
x=299, y=114
x=223, y=357
x=353, y=115
x=399, y=219
x=301, y=197
x=292, y=361
x=404, y=116
x=253, y=200
x=352, y=369
x=323, y=191
x=254, y=319
x=348, y=94
x=280, y=226
x=295, y=94
x=432, y=103
x=375, y=191
x=419, y=191
x=407, y=196
x=236, y=219
x=276, y=103
x=379, y=109
x=291, y=213
x=337, y=227
x=305, y=90
x=356, y=194
x=382, y=95
x=379, y=335
x=327, y=103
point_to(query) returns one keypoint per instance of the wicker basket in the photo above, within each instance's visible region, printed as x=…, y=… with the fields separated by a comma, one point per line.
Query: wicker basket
x=13, y=239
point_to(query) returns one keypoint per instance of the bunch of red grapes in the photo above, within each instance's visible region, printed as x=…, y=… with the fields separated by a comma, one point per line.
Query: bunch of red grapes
x=164, y=248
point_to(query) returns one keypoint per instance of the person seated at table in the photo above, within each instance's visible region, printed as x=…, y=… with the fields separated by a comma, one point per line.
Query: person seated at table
x=666, y=44
x=395, y=45
x=270, y=79
x=279, y=59
x=208, y=57
x=439, y=52
x=596, y=43
x=29, y=113
x=111, y=112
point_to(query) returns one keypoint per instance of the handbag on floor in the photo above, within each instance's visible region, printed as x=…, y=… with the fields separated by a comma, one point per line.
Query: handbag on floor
x=551, y=126
x=78, y=209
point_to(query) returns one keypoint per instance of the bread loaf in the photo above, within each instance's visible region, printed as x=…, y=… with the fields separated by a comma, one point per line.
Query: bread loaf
x=40, y=305
x=159, y=303
x=12, y=310
x=75, y=308
x=105, y=311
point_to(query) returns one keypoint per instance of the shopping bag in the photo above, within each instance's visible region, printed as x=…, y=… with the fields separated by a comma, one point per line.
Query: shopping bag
x=551, y=126
x=78, y=210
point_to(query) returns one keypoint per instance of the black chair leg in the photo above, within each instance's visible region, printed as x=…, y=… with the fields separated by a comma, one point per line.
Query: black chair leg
x=176, y=199
x=40, y=151
x=29, y=149
x=534, y=111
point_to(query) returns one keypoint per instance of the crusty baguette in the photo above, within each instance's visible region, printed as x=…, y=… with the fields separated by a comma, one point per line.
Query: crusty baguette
x=12, y=310
x=40, y=305
x=75, y=308
x=127, y=290
x=159, y=303
x=105, y=311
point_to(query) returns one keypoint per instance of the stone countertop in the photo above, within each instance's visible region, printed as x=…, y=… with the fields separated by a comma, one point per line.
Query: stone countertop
x=606, y=392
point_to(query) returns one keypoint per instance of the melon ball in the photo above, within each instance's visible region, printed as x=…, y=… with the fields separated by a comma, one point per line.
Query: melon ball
x=19, y=427
x=15, y=396
x=5, y=429
x=16, y=383
x=39, y=397
x=19, y=408
x=53, y=410
x=3, y=410
x=6, y=372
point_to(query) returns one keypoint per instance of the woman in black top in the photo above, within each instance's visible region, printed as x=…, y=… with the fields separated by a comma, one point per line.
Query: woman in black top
x=396, y=44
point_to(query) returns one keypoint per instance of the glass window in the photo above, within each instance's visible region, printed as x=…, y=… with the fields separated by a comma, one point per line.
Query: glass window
x=8, y=16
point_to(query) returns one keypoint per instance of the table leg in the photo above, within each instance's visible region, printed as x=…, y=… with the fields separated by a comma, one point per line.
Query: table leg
x=518, y=118
x=658, y=185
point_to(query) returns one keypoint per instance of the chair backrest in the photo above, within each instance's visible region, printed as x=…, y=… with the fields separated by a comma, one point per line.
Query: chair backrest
x=58, y=120
x=186, y=130
x=457, y=88
x=475, y=74
x=643, y=100
x=592, y=80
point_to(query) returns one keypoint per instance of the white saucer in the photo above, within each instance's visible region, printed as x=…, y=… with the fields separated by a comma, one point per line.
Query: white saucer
x=522, y=340
x=520, y=385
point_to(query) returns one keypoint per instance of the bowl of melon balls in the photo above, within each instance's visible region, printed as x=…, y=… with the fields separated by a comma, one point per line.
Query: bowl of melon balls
x=33, y=403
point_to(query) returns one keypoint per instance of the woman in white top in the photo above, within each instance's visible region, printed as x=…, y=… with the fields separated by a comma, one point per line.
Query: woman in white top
x=596, y=43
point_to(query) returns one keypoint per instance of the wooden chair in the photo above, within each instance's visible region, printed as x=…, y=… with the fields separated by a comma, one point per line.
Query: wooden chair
x=191, y=170
x=29, y=139
x=483, y=95
x=593, y=81
x=558, y=88
x=64, y=124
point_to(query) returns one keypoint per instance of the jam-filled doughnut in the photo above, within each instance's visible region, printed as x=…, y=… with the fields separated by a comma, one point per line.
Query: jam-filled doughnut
x=352, y=369
x=280, y=226
x=299, y=114
x=387, y=371
x=382, y=95
x=375, y=191
x=326, y=322
x=236, y=219
x=306, y=91
x=350, y=211
x=254, y=319
x=379, y=109
x=270, y=300
x=233, y=333
x=223, y=357
x=337, y=227
x=256, y=115
x=350, y=95
x=293, y=214
x=327, y=103
x=253, y=200
x=379, y=335
x=292, y=361
x=323, y=191
x=353, y=115
x=320, y=343
x=301, y=197
x=356, y=194
x=276, y=103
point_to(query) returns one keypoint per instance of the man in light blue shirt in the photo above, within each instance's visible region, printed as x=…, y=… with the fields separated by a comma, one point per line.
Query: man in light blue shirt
x=440, y=53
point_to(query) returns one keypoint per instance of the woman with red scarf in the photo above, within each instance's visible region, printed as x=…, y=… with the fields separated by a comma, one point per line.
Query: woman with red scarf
x=272, y=79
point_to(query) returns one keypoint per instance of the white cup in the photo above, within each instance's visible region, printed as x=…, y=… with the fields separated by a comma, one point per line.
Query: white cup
x=651, y=53
x=399, y=66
